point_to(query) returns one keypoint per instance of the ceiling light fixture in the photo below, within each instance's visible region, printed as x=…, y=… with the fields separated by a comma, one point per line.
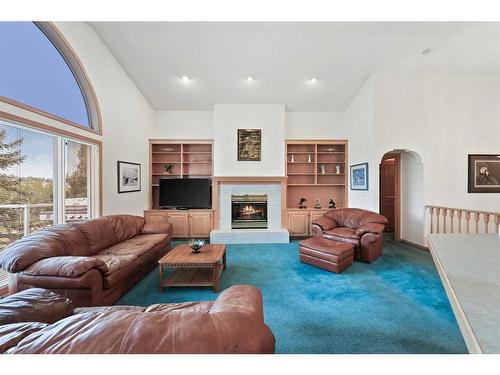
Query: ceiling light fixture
x=312, y=80
x=427, y=51
x=250, y=79
x=185, y=79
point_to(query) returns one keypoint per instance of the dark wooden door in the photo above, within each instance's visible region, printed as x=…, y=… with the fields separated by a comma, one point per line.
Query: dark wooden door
x=388, y=192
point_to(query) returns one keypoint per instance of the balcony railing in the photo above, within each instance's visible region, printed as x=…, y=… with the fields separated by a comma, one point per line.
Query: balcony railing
x=19, y=220
x=459, y=220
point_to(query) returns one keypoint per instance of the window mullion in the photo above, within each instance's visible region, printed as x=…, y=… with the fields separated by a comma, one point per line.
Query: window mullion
x=60, y=178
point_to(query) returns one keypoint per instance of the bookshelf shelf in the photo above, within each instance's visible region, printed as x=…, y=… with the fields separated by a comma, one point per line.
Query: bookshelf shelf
x=306, y=180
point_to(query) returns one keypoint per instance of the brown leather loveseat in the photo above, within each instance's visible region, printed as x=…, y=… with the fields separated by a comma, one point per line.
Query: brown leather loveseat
x=92, y=262
x=37, y=321
x=364, y=229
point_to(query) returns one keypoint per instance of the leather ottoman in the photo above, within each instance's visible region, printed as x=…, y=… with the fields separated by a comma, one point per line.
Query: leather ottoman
x=330, y=255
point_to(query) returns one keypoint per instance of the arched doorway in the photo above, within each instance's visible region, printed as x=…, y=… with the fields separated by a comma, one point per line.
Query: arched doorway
x=401, y=195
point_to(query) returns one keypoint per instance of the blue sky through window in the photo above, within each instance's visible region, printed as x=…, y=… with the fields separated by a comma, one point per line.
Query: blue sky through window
x=34, y=73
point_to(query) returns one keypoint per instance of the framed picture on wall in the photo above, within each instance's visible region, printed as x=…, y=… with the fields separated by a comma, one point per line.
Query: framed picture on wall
x=484, y=173
x=249, y=144
x=129, y=177
x=359, y=176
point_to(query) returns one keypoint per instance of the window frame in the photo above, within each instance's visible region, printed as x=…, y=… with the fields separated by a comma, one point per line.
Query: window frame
x=54, y=36
x=96, y=164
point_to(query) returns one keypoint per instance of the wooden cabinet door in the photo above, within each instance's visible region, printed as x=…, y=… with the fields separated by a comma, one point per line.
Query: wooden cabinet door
x=155, y=217
x=387, y=192
x=179, y=221
x=200, y=224
x=313, y=216
x=298, y=223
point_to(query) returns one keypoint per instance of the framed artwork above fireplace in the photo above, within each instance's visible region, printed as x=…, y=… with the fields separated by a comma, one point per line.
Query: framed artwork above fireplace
x=249, y=144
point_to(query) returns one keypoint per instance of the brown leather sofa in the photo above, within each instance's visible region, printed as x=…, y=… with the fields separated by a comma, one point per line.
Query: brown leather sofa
x=364, y=229
x=37, y=321
x=92, y=262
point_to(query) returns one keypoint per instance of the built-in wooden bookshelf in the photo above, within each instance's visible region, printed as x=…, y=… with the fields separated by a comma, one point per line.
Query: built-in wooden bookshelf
x=316, y=170
x=188, y=159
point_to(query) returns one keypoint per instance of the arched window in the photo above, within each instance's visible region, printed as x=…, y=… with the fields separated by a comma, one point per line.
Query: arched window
x=49, y=171
x=40, y=71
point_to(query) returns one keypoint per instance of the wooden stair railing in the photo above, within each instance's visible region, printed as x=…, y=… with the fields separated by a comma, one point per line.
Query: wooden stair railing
x=459, y=220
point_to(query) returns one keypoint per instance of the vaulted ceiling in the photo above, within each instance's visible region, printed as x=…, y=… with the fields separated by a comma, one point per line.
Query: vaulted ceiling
x=282, y=56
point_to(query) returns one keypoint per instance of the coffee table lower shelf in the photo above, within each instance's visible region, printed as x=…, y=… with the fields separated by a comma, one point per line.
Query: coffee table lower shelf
x=194, y=277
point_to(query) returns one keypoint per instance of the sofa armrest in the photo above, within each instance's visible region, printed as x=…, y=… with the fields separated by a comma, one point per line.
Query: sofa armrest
x=370, y=228
x=325, y=223
x=240, y=298
x=65, y=266
x=157, y=228
x=34, y=305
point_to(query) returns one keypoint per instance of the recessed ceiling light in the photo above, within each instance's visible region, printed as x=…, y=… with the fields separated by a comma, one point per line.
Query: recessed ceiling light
x=312, y=80
x=427, y=51
x=185, y=79
x=250, y=79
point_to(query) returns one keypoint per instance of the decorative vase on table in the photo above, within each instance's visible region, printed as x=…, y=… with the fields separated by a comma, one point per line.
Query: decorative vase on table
x=196, y=245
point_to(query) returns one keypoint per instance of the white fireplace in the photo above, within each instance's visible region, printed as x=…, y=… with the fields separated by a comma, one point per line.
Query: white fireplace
x=227, y=189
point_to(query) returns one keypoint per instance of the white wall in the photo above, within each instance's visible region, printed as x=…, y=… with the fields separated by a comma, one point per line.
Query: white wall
x=358, y=120
x=127, y=118
x=442, y=117
x=183, y=125
x=270, y=118
x=412, y=198
x=314, y=125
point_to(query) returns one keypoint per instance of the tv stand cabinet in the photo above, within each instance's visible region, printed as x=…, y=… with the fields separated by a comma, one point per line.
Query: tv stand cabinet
x=191, y=223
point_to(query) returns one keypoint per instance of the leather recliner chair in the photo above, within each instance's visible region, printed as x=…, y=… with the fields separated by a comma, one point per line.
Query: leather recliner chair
x=364, y=229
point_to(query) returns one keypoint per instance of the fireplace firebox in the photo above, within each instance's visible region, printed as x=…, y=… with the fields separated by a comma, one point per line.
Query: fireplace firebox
x=249, y=211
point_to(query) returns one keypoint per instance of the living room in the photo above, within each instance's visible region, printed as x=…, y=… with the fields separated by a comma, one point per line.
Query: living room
x=253, y=187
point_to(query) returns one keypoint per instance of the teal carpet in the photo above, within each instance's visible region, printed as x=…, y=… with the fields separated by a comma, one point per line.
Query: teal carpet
x=395, y=305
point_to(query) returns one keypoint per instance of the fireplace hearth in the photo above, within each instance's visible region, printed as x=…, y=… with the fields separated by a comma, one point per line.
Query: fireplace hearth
x=249, y=211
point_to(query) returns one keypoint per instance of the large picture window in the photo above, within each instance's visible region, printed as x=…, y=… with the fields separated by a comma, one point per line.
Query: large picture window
x=44, y=180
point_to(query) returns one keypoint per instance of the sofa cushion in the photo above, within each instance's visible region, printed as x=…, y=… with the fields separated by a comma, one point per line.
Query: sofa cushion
x=156, y=228
x=12, y=334
x=99, y=233
x=134, y=246
x=34, y=305
x=65, y=266
x=114, y=262
x=342, y=234
x=127, y=268
x=59, y=240
x=125, y=226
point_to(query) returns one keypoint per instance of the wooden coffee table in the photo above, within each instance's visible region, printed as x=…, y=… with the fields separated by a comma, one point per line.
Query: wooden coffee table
x=202, y=269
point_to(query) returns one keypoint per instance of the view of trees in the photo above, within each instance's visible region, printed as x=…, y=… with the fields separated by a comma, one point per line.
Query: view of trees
x=29, y=190
x=76, y=183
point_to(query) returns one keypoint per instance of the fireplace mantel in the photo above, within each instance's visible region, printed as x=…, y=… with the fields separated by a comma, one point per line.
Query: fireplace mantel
x=218, y=180
x=249, y=179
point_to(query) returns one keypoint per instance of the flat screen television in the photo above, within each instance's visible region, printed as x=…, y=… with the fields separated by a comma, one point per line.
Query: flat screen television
x=185, y=193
